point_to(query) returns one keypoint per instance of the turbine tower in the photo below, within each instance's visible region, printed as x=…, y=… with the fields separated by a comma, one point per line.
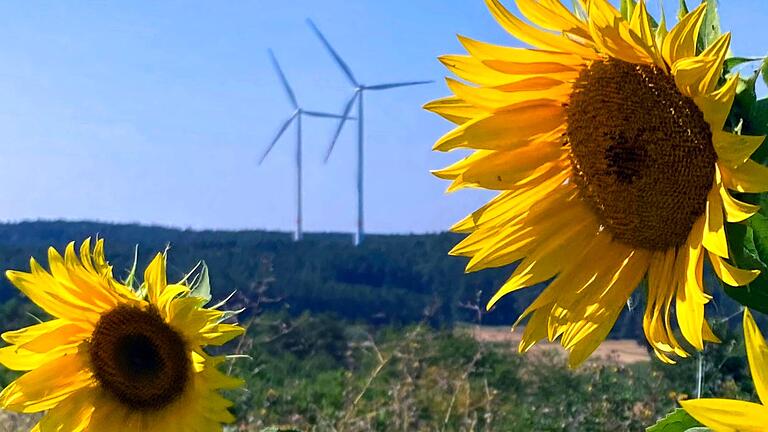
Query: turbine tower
x=357, y=96
x=297, y=117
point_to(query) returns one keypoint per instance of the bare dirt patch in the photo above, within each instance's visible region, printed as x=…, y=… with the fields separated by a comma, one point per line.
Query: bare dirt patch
x=624, y=351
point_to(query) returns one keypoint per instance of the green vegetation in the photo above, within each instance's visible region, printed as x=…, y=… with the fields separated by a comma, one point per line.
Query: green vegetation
x=389, y=280
x=320, y=373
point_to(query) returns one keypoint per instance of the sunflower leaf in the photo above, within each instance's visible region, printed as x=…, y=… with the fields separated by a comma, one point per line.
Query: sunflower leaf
x=627, y=8
x=757, y=124
x=734, y=62
x=744, y=242
x=682, y=10
x=710, y=29
x=677, y=421
x=764, y=71
x=759, y=225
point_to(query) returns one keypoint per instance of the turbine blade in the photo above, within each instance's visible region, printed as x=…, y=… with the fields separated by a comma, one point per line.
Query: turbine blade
x=347, y=109
x=396, y=85
x=339, y=61
x=283, y=80
x=280, y=133
x=326, y=115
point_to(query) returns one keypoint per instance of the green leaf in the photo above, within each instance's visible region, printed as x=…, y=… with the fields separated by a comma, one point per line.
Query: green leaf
x=682, y=10
x=759, y=225
x=699, y=429
x=628, y=8
x=764, y=71
x=130, y=280
x=710, y=28
x=677, y=421
x=201, y=285
x=734, y=62
x=743, y=244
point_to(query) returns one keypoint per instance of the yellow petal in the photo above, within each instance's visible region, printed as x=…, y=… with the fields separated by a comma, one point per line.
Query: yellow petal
x=661, y=291
x=589, y=344
x=714, y=232
x=219, y=334
x=696, y=76
x=536, y=37
x=552, y=15
x=47, y=293
x=495, y=100
x=46, y=386
x=548, y=218
x=502, y=170
x=640, y=24
x=537, y=83
x=535, y=329
x=735, y=210
x=717, y=105
x=690, y=293
x=717, y=51
x=750, y=177
x=731, y=275
x=456, y=169
x=725, y=415
x=509, y=205
x=155, y=278
x=549, y=257
x=523, y=61
x=473, y=70
x=681, y=40
x=504, y=131
x=73, y=414
x=734, y=150
x=757, y=353
x=454, y=109
x=612, y=35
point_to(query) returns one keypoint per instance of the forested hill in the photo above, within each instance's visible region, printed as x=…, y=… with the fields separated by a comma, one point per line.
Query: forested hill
x=390, y=279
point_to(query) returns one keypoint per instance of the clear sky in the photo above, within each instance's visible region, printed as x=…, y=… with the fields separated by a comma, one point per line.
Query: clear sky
x=157, y=112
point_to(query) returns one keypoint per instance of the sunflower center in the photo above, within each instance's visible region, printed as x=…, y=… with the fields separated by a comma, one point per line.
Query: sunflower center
x=642, y=153
x=139, y=358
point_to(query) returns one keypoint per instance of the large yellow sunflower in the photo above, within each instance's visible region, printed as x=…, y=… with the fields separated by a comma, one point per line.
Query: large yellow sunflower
x=607, y=143
x=111, y=359
x=726, y=415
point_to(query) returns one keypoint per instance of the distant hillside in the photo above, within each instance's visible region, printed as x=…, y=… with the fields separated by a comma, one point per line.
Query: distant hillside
x=390, y=279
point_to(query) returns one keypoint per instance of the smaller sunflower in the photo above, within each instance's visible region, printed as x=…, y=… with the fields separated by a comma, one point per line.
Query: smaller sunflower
x=115, y=359
x=725, y=415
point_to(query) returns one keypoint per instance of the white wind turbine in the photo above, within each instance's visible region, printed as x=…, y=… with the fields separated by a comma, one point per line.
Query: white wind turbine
x=357, y=95
x=297, y=117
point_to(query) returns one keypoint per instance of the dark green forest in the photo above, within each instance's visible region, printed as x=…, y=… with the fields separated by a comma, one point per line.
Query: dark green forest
x=390, y=279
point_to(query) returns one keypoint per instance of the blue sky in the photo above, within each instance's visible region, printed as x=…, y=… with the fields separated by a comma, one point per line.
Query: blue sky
x=157, y=112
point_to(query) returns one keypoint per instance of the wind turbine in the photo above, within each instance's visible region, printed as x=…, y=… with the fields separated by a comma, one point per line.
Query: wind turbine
x=357, y=95
x=297, y=117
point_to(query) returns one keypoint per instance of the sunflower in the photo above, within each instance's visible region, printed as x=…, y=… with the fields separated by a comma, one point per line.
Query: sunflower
x=607, y=144
x=724, y=415
x=112, y=359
